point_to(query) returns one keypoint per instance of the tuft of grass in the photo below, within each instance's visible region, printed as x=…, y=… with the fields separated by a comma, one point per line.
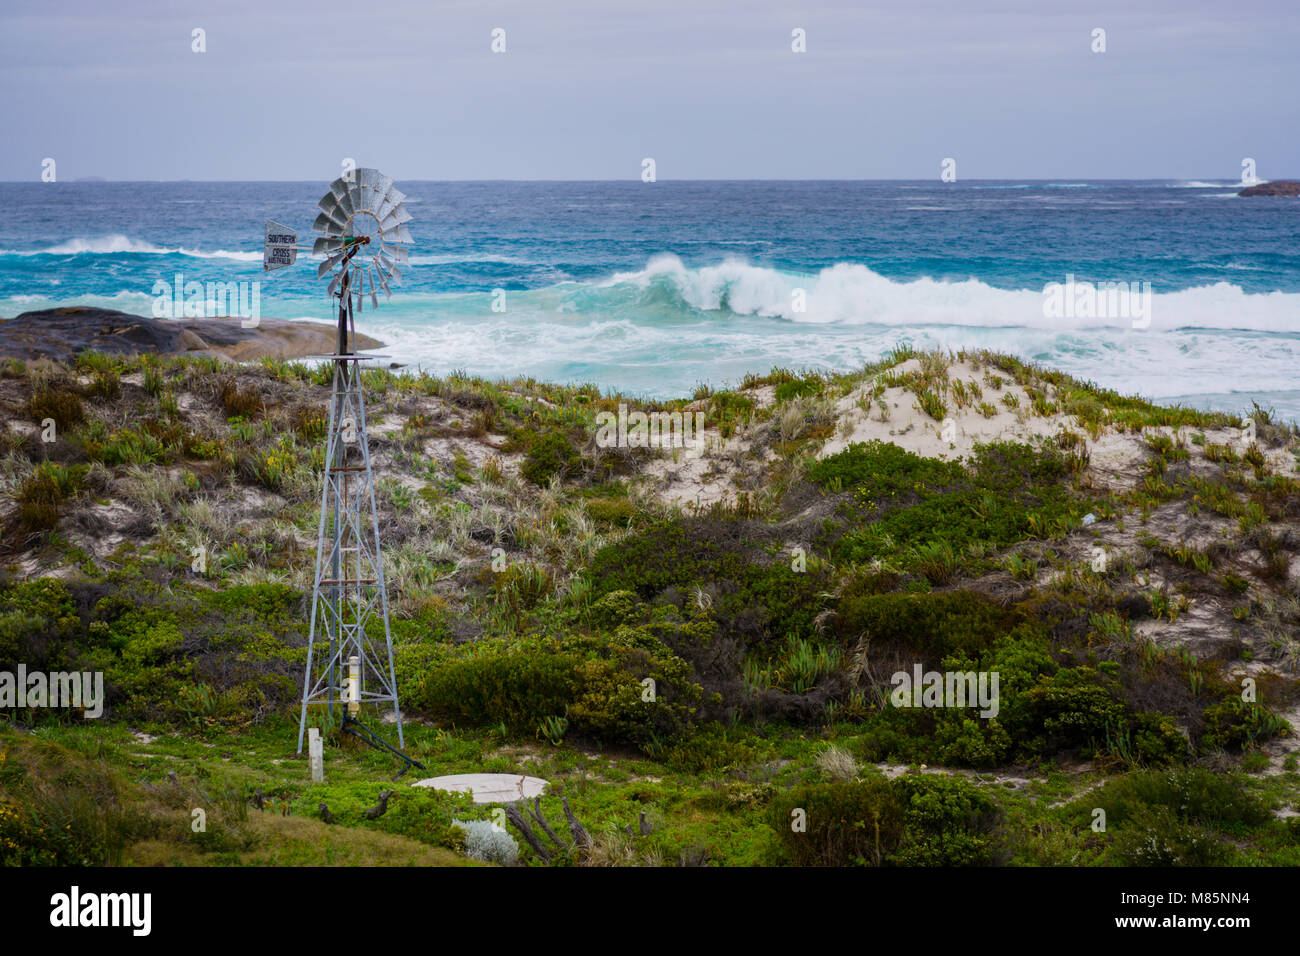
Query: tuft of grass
x=931, y=402
x=240, y=403
x=61, y=404
x=42, y=495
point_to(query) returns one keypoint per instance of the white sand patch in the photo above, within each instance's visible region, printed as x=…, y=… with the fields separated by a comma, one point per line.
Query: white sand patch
x=384, y=424
x=702, y=475
x=108, y=516
x=442, y=453
x=906, y=425
x=1116, y=456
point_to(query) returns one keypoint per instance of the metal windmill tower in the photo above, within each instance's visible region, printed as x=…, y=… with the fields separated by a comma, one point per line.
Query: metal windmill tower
x=363, y=238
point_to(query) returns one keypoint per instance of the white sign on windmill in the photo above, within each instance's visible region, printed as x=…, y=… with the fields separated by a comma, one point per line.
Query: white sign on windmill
x=281, y=246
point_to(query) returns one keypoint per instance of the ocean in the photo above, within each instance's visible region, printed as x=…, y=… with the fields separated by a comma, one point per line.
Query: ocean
x=653, y=289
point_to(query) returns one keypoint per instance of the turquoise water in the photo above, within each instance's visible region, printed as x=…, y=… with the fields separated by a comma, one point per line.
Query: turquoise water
x=655, y=288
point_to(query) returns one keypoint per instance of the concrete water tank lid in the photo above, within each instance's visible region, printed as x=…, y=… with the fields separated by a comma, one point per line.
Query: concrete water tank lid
x=488, y=787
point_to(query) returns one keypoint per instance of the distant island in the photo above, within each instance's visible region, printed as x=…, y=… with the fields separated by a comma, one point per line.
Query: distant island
x=1279, y=187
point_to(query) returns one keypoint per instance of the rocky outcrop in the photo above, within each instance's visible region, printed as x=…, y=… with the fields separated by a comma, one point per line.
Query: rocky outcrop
x=59, y=334
x=1278, y=187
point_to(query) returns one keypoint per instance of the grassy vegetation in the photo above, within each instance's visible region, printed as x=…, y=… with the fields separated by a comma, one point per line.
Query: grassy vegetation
x=723, y=670
x=930, y=516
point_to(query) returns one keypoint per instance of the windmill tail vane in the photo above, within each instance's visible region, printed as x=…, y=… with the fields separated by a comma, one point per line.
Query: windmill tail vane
x=363, y=240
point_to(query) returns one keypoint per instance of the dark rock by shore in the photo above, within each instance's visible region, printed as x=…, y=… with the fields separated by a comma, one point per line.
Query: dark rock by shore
x=59, y=334
x=1278, y=187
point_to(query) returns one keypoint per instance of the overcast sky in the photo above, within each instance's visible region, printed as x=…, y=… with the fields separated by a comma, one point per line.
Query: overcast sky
x=709, y=88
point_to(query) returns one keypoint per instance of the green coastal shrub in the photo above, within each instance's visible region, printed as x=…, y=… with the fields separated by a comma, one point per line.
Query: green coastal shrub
x=494, y=683
x=171, y=653
x=1043, y=710
x=953, y=736
x=198, y=658
x=40, y=626
x=752, y=601
x=1233, y=724
x=614, y=608
x=903, y=506
x=1175, y=817
x=915, y=820
x=713, y=749
x=947, y=822
x=934, y=625
x=1155, y=837
x=1195, y=795
x=899, y=735
x=1155, y=740
x=967, y=741
x=420, y=813
x=1066, y=711
x=854, y=823
x=550, y=454
x=882, y=470
x=595, y=683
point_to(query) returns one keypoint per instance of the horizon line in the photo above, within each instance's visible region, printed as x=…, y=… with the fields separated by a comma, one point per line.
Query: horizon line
x=85, y=180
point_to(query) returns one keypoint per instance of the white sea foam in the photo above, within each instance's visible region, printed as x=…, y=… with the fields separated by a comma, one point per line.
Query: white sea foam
x=849, y=293
x=1217, y=184
x=118, y=244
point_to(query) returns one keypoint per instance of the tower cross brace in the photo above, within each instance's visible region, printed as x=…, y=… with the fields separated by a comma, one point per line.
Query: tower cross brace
x=348, y=590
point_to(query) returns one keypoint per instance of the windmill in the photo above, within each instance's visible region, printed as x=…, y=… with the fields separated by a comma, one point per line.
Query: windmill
x=363, y=240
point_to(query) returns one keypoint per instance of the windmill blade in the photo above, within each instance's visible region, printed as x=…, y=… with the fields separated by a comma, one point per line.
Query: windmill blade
x=329, y=221
x=374, y=187
x=341, y=190
x=380, y=189
x=400, y=234
x=390, y=266
x=395, y=258
x=374, y=300
x=327, y=245
x=391, y=203
x=394, y=219
x=394, y=196
x=386, y=207
x=329, y=264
